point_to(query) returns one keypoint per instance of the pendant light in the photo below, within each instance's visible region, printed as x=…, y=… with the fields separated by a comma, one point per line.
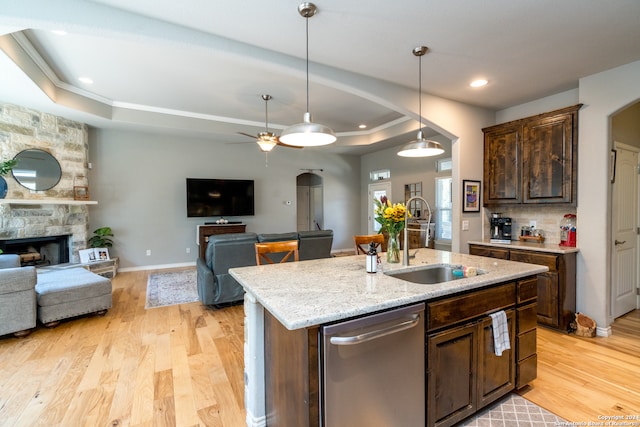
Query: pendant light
x=421, y=147
x=307, y=133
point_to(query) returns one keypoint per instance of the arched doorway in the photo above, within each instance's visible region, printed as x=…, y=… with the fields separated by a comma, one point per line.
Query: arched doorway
x=309, y=202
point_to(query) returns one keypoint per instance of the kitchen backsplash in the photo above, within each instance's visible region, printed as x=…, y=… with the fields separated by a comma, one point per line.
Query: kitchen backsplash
x=547, y=217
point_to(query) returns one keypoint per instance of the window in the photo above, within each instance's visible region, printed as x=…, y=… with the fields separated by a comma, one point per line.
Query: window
x=444, y=165
x=443, y=215
x=380, y=175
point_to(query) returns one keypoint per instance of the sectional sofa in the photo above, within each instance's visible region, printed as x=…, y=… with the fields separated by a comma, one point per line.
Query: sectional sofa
x=217, y=288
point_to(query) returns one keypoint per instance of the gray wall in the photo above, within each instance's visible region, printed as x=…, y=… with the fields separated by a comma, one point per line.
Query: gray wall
x=138, y=180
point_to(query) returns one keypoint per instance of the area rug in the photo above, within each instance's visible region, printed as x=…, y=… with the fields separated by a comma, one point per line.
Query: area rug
x=514, y=411
x=176, y=287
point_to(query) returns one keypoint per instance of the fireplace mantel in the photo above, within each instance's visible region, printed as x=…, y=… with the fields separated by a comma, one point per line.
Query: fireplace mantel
x=47, y=202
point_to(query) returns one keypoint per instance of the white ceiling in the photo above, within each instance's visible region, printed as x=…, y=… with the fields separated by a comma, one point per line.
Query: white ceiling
x=200, y=65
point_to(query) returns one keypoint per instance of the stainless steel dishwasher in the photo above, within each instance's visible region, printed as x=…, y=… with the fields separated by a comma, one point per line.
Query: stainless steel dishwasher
x=373, y=370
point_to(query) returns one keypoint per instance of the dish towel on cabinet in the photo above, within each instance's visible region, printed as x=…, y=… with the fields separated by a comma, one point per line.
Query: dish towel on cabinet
x=501, y=340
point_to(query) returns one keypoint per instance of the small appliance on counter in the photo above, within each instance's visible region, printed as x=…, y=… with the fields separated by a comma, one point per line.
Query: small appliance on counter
x=500, y=229
x=568, y=230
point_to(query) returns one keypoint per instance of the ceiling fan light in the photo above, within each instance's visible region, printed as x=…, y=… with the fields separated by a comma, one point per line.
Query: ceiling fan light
x=421, y=148
x=308, y=134
x=266, y=145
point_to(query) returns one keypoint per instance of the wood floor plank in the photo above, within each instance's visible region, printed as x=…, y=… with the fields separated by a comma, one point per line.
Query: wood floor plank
x=183, y=366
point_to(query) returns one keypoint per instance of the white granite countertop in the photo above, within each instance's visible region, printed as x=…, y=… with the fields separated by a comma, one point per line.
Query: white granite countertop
x=531, y=246
x=308, y=293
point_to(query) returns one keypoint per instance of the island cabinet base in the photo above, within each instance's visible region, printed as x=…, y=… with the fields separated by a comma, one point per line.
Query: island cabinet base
x=463, y=372
x=292, y=381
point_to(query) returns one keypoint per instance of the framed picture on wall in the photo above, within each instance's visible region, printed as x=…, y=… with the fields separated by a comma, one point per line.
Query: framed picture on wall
x=471, y=196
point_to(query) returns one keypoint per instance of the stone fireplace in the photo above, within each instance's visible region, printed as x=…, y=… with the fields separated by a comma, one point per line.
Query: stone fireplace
x=29, y=214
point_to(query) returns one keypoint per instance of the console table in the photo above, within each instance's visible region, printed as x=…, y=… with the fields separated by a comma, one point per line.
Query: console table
x=204, y=231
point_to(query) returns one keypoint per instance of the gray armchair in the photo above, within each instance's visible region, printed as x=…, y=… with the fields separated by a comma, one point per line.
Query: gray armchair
x=17, y=296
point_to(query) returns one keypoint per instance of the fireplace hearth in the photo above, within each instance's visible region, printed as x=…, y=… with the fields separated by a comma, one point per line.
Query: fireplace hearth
x=38, y=251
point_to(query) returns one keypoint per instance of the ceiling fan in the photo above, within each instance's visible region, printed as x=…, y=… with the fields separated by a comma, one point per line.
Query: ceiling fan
x=266, y=139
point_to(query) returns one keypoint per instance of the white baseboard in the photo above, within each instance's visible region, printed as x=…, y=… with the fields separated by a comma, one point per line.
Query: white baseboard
x=603, y=332
x=157, y=267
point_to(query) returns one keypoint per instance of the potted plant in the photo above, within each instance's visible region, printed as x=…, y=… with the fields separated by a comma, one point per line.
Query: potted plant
x=101, y=238
x=5, y=168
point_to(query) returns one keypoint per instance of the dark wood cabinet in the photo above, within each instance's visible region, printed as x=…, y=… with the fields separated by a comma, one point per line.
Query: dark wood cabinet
x=502, y=170
x=204, y=231
x=556, y=303
x=464, y=373
x=532, y=160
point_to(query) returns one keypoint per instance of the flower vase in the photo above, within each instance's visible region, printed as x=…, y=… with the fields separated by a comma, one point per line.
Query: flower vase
x=393, y=248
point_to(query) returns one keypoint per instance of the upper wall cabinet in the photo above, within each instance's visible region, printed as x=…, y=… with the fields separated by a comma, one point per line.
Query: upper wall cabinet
x=532, y=160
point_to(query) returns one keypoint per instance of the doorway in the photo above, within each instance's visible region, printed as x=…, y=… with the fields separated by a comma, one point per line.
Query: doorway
x=309, y=202
x=625, y=256
x=376, y=191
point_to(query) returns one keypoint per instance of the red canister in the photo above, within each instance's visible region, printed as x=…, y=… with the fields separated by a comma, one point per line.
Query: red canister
x=568, y=230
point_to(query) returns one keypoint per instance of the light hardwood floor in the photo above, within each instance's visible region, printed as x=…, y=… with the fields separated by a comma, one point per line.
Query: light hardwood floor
x=183, y=366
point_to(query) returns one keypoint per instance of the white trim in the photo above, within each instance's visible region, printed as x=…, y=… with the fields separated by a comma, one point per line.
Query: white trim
x=157, y=267
x=603, y=332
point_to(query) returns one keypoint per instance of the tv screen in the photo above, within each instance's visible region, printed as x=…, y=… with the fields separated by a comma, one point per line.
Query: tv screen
x=219, y=197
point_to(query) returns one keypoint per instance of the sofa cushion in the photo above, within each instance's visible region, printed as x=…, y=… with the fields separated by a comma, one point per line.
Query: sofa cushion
x=17, y=279
x=277, y=237
x=229, y=245
x=315, y=244
x=9, y=260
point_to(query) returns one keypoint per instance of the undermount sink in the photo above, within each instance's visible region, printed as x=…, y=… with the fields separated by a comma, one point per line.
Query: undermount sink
x=431, y=274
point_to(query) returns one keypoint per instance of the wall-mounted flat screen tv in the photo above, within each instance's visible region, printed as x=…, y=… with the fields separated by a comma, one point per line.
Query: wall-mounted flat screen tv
x=219, y=197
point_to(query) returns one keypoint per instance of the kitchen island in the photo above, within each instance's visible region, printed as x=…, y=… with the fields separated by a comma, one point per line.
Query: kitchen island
x=300, y=297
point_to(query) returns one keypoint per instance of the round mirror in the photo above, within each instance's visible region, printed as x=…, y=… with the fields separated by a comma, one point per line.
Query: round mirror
x=36, y=170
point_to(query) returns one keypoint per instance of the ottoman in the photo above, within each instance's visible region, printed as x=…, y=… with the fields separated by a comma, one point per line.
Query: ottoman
x=61, y=294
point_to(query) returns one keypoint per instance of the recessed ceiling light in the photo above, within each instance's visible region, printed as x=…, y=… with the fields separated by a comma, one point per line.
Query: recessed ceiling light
x=59, y=32
x=86, y=80
x=362, y=126
x=478, y=83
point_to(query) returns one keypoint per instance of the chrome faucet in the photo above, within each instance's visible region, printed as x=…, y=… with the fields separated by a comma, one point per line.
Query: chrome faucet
x=405, y=249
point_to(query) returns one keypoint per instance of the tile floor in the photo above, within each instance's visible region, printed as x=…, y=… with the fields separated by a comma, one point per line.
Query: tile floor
x=513, y=411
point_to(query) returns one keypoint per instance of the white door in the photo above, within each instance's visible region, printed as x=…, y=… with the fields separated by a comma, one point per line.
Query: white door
x=624, y=214
x=376, y=191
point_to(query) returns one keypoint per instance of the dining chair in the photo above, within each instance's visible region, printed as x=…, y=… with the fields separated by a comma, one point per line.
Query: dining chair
x=362, y=242
x=286, y=249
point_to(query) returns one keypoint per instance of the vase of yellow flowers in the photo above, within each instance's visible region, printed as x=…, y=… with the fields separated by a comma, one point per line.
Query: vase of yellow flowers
x=391, y=218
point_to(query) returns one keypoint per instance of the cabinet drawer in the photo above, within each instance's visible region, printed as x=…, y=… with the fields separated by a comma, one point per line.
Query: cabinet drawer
x=527, y=290
x=527, y=344
x=526, y=371
x=489, y=252
x=550, y=261
x=464, y=307
x=527, y=318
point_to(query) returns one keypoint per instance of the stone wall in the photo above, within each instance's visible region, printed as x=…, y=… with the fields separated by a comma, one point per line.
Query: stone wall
x=67, y=141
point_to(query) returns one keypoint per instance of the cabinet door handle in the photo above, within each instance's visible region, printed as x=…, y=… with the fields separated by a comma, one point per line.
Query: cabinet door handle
x=618, y=242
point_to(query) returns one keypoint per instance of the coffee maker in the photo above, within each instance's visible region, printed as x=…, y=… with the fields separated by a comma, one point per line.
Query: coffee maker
x=500, y=228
